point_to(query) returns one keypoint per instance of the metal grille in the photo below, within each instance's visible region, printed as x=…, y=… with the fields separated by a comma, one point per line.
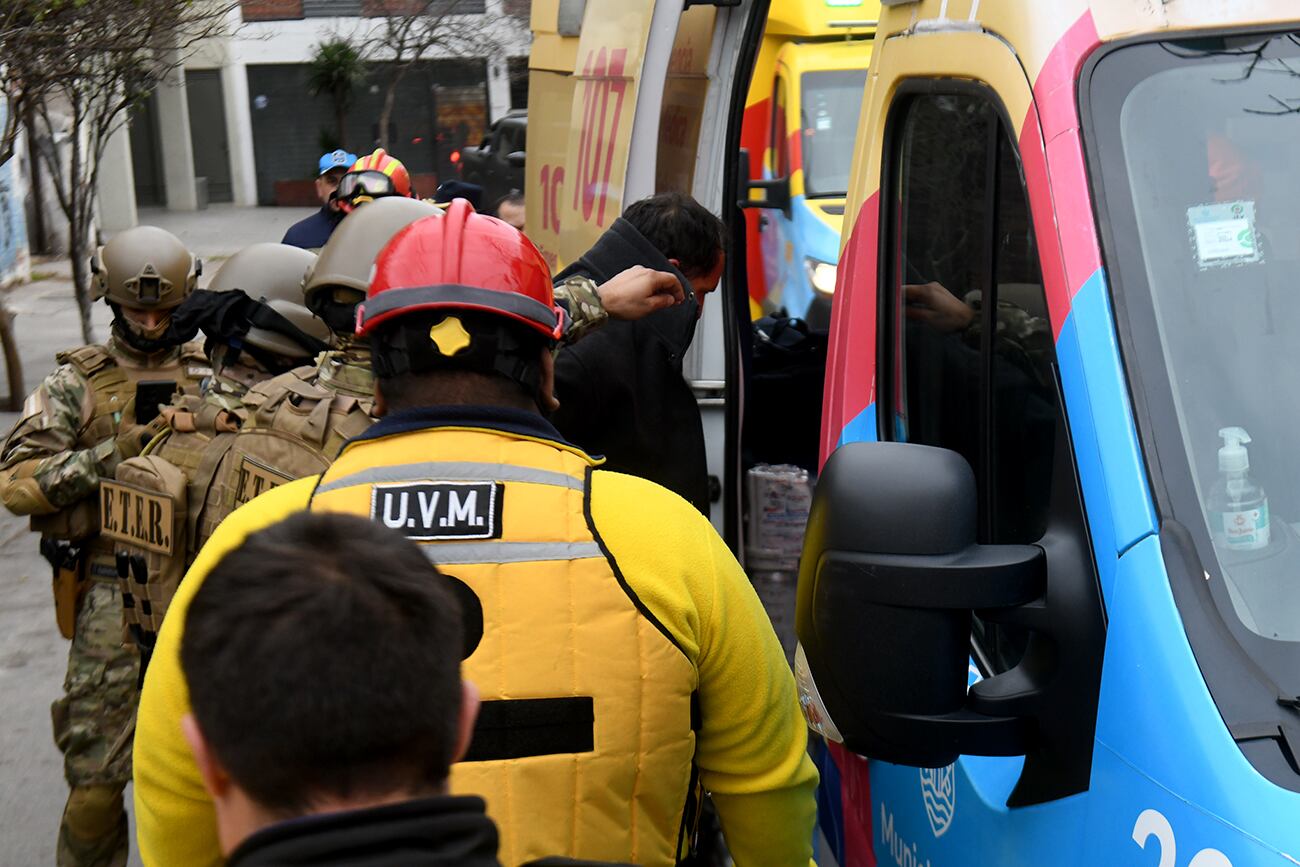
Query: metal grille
x=330, y=8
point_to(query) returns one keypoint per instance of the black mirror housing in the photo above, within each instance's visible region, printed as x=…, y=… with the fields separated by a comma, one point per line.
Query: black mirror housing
x=890, y=580
x=776, y=195
x=516, y=159
x=890, y=576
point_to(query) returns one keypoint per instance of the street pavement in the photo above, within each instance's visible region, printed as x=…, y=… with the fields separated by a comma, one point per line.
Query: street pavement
x=33, y=656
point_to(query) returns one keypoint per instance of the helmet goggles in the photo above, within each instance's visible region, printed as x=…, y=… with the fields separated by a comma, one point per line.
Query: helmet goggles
x=357, y=187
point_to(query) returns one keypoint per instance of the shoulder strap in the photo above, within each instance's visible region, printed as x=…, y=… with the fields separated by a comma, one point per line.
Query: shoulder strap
x=88, y=360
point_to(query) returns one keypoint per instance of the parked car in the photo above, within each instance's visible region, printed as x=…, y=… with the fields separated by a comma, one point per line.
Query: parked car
x=497, y=165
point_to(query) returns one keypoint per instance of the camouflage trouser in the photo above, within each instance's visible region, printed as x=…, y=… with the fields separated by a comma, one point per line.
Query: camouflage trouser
x=93, y=725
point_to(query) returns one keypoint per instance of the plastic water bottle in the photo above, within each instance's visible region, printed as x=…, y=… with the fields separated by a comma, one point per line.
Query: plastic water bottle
x=1238, y=506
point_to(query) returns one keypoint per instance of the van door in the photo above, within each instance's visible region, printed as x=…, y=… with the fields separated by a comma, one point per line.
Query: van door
x=942, y=336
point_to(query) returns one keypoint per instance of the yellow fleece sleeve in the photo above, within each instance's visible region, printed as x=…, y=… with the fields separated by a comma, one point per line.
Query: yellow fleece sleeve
x=174, y=819
x=752, y=745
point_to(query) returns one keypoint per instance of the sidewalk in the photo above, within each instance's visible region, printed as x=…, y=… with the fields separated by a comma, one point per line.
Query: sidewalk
x=220, y=230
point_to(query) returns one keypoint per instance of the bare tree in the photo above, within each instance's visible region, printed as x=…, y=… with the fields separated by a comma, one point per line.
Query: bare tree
x=415, y=31
x=26, y=67
x=94, y=62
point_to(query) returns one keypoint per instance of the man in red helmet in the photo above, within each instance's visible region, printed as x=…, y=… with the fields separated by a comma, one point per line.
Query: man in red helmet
x=625, y=663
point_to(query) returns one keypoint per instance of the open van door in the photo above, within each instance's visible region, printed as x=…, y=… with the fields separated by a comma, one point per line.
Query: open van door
x=633, y=97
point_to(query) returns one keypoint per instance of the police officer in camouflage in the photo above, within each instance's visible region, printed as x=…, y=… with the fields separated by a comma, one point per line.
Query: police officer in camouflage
x=74, y=431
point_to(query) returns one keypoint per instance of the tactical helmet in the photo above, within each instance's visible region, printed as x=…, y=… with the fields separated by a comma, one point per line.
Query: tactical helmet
x=374, y=176
x=145, y=268
x=273, y=274
x=341, y=273
x=462, y=261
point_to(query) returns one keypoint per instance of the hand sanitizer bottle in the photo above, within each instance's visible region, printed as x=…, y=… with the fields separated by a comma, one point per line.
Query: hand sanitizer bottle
x=1238, y=506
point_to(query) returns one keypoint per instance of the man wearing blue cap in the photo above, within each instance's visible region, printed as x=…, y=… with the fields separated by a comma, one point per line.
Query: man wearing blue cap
x=312, y=232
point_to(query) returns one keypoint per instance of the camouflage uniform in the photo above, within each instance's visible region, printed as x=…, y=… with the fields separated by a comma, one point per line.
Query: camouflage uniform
x=228, y=384
x=50, y=468
x=578, y=296
x=347, y=371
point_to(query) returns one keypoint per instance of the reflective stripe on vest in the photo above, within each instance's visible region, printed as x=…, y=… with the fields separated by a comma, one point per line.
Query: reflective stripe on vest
x=585, y=744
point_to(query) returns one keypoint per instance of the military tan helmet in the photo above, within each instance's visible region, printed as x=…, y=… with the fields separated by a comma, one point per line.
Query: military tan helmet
x=341, y=275
x=273, y=274
x=145, y=268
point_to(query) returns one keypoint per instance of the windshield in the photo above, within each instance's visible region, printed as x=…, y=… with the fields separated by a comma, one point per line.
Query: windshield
x=830, y=107
x=1195, y=142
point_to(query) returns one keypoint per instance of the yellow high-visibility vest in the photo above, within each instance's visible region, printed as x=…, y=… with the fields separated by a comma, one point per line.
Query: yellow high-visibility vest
x=585, y=742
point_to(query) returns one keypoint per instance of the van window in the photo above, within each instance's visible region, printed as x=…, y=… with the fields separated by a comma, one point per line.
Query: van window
x=509, y=142
x=830, y=106
x=971, y=339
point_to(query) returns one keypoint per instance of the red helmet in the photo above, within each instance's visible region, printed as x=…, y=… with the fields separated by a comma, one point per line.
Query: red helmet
x=461, y=261
x=373, y=176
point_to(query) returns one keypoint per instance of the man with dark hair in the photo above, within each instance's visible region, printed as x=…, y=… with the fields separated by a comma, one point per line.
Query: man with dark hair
x=685, y=231
x=510, y=209
x=621, y=391
x=325, y=682
x=626, y=664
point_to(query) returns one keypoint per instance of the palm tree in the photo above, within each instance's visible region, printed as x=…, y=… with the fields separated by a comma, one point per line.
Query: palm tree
x=336, y=69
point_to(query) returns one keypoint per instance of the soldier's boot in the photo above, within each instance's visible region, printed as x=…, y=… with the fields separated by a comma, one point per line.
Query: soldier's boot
x=93, y=832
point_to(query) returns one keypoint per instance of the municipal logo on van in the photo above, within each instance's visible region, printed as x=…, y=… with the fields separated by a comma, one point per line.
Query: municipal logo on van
x=433, y=511
x=939, y=791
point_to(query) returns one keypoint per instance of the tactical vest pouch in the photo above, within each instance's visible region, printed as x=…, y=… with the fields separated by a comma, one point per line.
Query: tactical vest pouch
x=250, y=463
x=144, y=513
x=76, y=523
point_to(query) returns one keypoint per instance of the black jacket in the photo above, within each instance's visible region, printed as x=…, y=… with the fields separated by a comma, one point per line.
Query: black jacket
x=428, y=832
x=312, y=232
x=444, y=831
x=621, y=390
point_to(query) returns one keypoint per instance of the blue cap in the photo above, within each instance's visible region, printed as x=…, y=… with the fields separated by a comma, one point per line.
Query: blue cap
x=339, y=159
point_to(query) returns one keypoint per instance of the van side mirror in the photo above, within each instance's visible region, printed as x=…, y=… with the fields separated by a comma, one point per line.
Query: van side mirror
x=516, y=159
x=776, y=191
x=776, y=195
x=890, y=576
x=890, y=579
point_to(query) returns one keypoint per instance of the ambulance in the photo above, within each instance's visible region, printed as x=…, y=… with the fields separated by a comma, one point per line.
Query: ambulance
x=1049, y=599
x=1051, y=580
x=801, y=116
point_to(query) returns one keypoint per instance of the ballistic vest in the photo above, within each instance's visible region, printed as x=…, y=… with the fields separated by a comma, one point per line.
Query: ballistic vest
x=167, y=481
x=112, y=386
x=585, y=742
x=203, y=471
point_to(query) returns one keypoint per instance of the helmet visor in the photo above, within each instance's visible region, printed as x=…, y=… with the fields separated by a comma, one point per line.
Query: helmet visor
x=369, y=184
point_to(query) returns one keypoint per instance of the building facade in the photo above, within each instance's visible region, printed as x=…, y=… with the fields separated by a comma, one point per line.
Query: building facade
x=238, y=122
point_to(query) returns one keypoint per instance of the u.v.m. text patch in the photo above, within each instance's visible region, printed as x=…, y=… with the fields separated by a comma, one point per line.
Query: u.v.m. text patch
x=429, y=511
